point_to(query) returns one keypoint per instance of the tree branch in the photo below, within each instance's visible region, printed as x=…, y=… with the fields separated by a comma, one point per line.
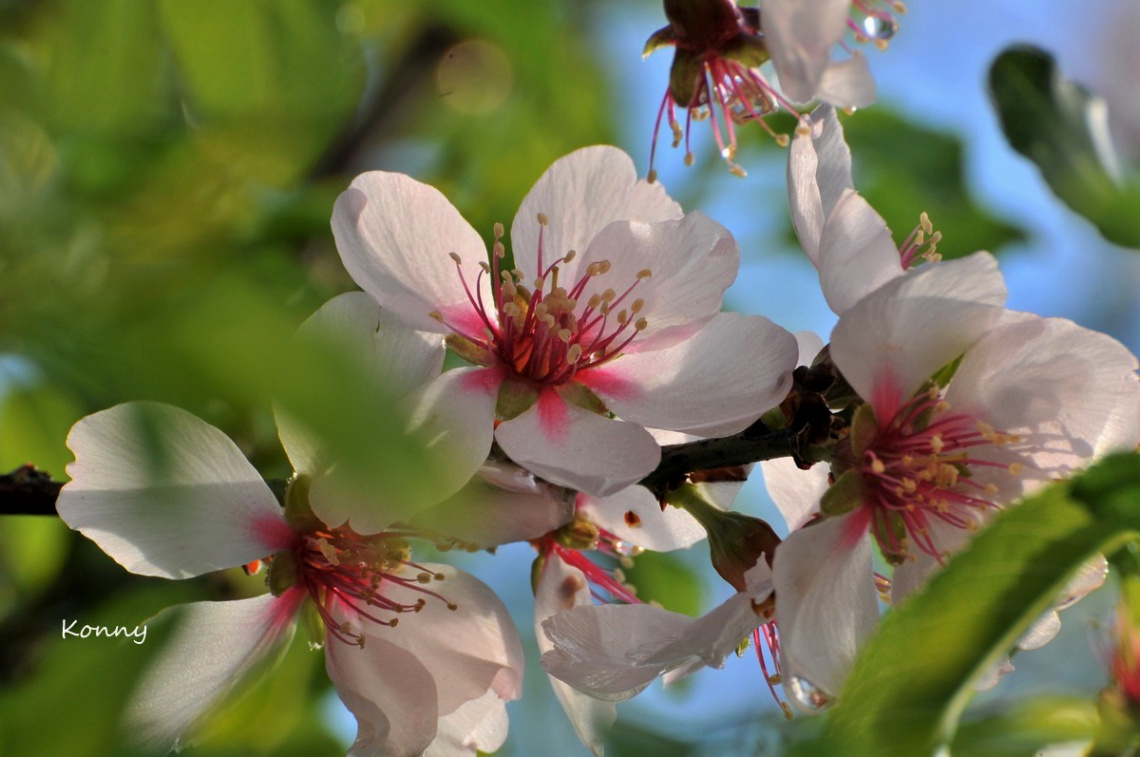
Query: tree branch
x=28, y=491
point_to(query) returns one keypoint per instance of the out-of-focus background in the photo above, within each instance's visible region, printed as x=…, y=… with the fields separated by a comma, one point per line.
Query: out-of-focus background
x=167, y=171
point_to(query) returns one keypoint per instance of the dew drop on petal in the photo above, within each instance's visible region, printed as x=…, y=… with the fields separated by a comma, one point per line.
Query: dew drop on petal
x=627, y=549
x=808, y=696
x=877, y=27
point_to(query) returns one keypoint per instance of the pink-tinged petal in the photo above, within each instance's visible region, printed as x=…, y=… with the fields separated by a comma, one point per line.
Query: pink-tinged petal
x=614, y=651
x=561, y=588
x=580, y=194
x=819, y=172
x=1089, y=578
x=912, y=326
x=395, y=358
x=692, y=260
x=847, y=83
x=216, y=648
x=607, y=651
x=633, y=515
x=166, y=494
x=825, y=605
x=395, y=236
x=795, y=492
x=468, y=651
x=502, y=504
x=716, y=383
x=800, y=35
x=1071, y=394
x=479, y=726
x=389, y=692
x=568, y=445
x=856, y=253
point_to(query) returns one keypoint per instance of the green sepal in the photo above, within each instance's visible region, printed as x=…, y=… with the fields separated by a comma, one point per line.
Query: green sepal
x=298, y=512
x=684, y=75
x=893, y=523
x=844, y=495
x=577, y=534
x=663, y=37
x=515, y=398
x=282, y=574
x=536, y=568
x=468, y=350
x=946, y=372
x=748, y=49
x=736, y=541
x=583, y=396
x=864, y=428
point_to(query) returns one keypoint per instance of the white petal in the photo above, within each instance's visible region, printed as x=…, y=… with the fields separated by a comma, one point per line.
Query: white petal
x=856, y=253
x=633, y=515
x=795, y=492
x=580, y=194
x=393, y=357
x=847, y=83
x=468, y=651
x=825, y=603
x=560, y=588
x=810, y=345
x=502, y=504
x=800, y=35
x=214, y=649
x=479, y=726
x=819, y=171
x=614, y=651
x=389, y=692
x=716, y=383
x=1063, y=388
x=692, y=261
x=577, y=448
x=394, y=236
x=166, y=494
x=899, y=335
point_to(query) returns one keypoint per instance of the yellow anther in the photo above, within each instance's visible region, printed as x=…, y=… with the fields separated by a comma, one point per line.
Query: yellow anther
x=539, y=284
x=882, y=44
x=622, y=316
x=435, y=315
x=652, y=177
x=1016, y=468
x=991, y=489
x=936, y=237
x=452, y=606
x=643, y=274
x=936, y=443
x=424, y=578
x=574, y=354
x=690, y=159
x=609, y=295
x=942, y=407
x=485, y=266
x=564, y=335
x=498, y=231
x=542, y=220
x=594, y=301
x=877, y=467
x=500, y=252
x=899, y=6
x=736, y=170
x=455, y=256
x=909, y=485
x=641, y=324
x=636, y=306
x=803, y=129
x=782, y=140
x=570, y=256
x=861, y=38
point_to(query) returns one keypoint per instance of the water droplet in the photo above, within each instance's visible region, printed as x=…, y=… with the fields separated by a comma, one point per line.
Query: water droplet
x=877, y=27
x=806, y=695
x=627, y=549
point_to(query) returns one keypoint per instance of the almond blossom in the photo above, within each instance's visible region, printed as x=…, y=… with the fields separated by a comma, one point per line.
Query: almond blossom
x=166, y=494
x=967, y=407
x=612, y=306
x=719, y=48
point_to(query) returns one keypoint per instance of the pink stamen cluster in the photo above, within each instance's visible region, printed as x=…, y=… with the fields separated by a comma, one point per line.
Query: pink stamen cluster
x=917, y=468
x=342, y=569
x=921, y=243
x=742, y=94
x=766, y=639
x=542, y=334
x=612, y=582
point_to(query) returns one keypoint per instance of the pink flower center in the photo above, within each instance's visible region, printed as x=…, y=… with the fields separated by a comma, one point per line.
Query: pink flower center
x=542, y=331
x=918, y=467
x=342, y=569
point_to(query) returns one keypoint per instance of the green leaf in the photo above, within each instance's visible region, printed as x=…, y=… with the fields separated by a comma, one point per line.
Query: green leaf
x=1062, y=128
x=914, y=677
x=661, y=576
x=1026, y=728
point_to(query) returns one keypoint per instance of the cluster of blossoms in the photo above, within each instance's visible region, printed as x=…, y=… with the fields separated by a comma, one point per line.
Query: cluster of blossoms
x=594, y=345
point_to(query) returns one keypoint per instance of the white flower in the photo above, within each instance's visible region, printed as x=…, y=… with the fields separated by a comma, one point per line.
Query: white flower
x=1030, y=400
x=423, y=655
x=613, y=305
